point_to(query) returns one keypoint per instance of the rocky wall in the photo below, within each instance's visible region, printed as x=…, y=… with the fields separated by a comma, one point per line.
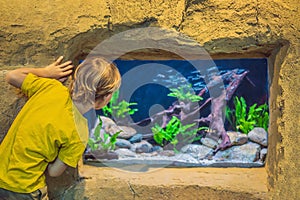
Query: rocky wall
x=34, y=33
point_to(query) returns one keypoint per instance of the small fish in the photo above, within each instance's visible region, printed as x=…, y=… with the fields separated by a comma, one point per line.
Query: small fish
x=195, y=72
x=197, y=89
x=212, y=69
x=161, y=76
x=199, y=84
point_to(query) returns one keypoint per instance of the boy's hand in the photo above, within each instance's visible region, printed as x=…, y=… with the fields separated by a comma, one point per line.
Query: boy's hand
x=56, y=70
x=59, y=71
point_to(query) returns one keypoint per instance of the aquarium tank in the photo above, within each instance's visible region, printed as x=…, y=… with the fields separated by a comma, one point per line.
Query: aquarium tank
x=167, y=113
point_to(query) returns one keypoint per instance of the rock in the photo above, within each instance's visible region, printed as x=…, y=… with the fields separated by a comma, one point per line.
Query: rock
x=127, y=132
x=186, y=158
x=245, y=153
x=141, y=147
x=99, y=154
x=124, y=153
x=157, y=149
x=168, y=153
x=196, y=151
x=136, y=138
x=122, y=143
x=263, y=154
x=111, y=127
x=209, y=142
x=259, y=135
x=237, y=138
x=152, y=154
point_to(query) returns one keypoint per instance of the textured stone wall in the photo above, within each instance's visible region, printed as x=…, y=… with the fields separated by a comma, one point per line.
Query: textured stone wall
x=34, y=33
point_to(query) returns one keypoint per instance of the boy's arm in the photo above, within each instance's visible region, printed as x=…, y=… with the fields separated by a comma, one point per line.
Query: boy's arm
x=56, y=168
x=55, y=70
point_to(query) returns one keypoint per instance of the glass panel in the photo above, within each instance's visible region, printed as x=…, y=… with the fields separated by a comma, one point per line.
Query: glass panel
x=173, y=114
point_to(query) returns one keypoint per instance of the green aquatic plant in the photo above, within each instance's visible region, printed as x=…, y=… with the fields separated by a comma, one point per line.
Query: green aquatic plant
x=118, y=109
x=244, y=119
x=106, y=143
x=183, y=93
x=176, y=133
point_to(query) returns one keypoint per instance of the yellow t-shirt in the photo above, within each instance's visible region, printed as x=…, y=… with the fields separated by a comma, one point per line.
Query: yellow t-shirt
x=49, y=125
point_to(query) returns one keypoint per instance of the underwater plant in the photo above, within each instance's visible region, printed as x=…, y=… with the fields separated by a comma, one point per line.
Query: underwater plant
x=243, y=119
x=183, y=93
x=176, y=133
x=118, y=109
x=106, y=143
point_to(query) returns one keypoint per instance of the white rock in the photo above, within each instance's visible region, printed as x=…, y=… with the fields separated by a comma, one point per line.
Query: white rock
x=259, y=135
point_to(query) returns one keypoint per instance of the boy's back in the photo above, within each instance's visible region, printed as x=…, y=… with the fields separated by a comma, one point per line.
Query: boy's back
x=46, y=127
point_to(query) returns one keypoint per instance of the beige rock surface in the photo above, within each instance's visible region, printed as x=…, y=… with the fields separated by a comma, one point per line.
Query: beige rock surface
x=170, y=183
x=33, y=33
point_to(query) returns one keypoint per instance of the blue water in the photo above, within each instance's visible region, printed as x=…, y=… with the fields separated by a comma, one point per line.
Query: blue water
x=148, y=82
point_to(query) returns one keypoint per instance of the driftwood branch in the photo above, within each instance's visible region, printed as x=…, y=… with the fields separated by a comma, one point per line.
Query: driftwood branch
x=187, y=112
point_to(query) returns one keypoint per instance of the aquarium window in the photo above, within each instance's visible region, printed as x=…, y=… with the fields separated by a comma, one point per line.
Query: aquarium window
x=188, y=113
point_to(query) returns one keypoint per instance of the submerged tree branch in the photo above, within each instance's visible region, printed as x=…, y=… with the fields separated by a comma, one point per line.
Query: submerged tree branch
x=187, y=112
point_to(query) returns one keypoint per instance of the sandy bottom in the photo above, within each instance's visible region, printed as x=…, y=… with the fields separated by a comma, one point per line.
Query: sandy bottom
x=170, y=183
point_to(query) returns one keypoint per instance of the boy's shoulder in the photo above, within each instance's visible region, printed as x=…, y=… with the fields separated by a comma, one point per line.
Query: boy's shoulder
x=33, y=84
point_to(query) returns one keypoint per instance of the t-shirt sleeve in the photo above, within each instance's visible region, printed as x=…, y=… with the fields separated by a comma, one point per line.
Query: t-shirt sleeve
x=71, y=151
x=70, y=154
x=32, y=84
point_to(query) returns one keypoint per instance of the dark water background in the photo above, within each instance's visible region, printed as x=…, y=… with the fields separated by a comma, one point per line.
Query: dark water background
x=254, y=88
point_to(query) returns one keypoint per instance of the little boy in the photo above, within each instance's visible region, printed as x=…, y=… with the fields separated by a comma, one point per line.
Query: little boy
x=50, y=132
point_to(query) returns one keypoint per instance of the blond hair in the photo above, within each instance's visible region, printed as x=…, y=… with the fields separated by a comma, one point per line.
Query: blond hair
x=93, y=79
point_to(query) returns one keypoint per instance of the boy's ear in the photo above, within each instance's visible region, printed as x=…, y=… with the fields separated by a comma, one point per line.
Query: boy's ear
x=107, y=96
